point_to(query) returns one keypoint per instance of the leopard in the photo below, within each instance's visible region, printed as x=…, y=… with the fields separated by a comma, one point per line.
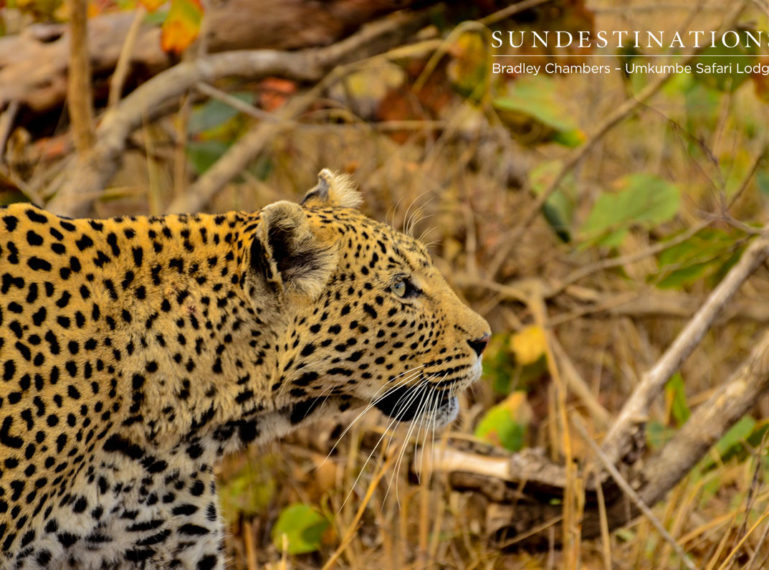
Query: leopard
x=135, y=352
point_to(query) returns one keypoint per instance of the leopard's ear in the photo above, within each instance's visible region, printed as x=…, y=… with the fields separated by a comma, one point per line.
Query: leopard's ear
x=335, y=190
x=286, y=254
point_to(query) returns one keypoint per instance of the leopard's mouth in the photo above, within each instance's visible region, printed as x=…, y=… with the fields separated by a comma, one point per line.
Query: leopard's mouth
x=406, y=403
x=435, y=401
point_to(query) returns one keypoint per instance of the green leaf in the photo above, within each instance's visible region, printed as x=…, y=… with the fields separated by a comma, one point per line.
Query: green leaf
x=731, y=442
x=762, y=181
x=213, y=114
x=716, y=67
x=249, y=490
x=303, y=527
x=559, y=207
x=657, y=434
x=738, y=433
x=203, y=154
x=675, y=397
x=643, y=200
x=506, y=424
x=532, y=110
x=705, y=254
x=502, y=370
x=499, y=364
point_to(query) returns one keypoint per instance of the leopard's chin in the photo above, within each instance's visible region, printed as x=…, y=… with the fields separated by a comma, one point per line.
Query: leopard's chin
x=445, y=413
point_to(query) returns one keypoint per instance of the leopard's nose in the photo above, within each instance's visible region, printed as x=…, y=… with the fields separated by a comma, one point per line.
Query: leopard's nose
x=479, y=344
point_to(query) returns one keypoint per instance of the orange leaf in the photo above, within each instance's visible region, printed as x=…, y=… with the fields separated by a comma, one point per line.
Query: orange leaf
x=275, y=92
x=182, y=25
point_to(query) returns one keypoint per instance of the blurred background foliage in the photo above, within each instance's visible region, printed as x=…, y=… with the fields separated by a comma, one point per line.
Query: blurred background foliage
x=457, y=153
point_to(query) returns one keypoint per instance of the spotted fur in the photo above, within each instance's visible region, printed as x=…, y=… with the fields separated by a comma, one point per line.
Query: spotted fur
x=135, y=352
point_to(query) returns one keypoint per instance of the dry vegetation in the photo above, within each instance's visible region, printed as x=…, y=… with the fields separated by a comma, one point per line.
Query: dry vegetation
x=446, y=165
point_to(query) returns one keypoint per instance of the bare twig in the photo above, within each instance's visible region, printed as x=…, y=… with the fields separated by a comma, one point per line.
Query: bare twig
x=511, y=11
x=639, y=304
x=235, y=103
x=636, y=407
x=728, y=560
x=6, y=126
x=350, y=534
x=79, y=79
x=576, y=384
x=123, y=63
x=749, y=176
x=583, y=272
x=571, y=504
x=522, y=485
x=235, y=160
x=34, y=64
x=630, y=492
x=708, y=423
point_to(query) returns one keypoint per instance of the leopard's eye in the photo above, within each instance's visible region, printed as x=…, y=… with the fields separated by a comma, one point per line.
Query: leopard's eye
x=404, y=288
x=399, y=288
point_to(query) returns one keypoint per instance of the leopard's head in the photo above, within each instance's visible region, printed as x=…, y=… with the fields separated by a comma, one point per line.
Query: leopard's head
x=363, y=310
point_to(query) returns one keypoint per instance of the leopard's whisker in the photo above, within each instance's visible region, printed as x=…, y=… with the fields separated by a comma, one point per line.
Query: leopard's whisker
x=392, y=421
x=372, y=403
x=418, y=392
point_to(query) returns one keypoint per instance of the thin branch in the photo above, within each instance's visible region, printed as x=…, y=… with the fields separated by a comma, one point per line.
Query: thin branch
x=571, y=511
x=511, y=11
x=749, y=176
x=124, y=59
x=708, y=423
x=7, y=118
x=235, y=103
x=523, y=485
x=250, y=145
x=577, y=384
x=630, y=492
x=583, y=272
x=235, y=160
x=79, y=78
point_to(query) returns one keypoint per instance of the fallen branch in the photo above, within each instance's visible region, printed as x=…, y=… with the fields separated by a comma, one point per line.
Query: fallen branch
x=707, y=424
x=634, y=412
